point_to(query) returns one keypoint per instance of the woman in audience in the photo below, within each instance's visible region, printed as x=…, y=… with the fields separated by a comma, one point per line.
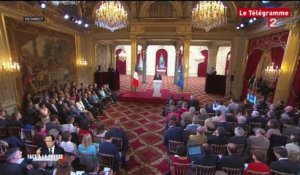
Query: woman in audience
x=87, y=146
x=173, y=112
x=15, y=120
x=99, y=132
x=209, y=124
x=273, y=128
x=180, y=157
x=294, y=148
x=258, y=165
x=64, y=166
x=182, y=108
x=203, y=114
x=44, y=113
x=66, y=143
x=40, y=133
x=219, y=137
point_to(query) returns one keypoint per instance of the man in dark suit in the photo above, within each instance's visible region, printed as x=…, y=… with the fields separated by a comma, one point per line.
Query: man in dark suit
x=88, y=105
x=194, y=103
x=173, y=133
x=206, y=159
x=239, y=137
x=52, y=106
x=50, y=147
x=108, y=148
x=233, y=160
x=157, y=77
x=283, y=164
x=223, y=123
x=12, y=165
x=117, y=132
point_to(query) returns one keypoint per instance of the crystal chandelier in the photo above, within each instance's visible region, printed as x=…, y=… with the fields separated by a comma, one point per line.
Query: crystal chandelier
x=209, y=14
x=111, y=15
x=271, y=74
x=57, y=3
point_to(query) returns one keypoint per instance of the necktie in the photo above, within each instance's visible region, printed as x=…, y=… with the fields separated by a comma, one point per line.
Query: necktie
x=50, y=151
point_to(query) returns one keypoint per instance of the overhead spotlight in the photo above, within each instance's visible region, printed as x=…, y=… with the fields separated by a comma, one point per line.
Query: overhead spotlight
x=76, y=21
x=86, y=25
x=251, y=21
x=238, y=27
x=79, y=22
x=66, y=16
x=242, y=25
x=43, y=5
x=265, y=2
x=254, y=19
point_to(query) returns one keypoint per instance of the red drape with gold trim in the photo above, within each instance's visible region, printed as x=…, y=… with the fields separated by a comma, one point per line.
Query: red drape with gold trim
x=121, y=65
x=164, y=53
x=202, y=67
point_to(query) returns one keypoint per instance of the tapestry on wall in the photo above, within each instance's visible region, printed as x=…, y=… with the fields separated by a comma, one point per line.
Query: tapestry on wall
x=46, y=57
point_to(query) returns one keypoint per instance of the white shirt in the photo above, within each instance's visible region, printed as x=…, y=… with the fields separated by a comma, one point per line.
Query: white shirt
x=52, y=149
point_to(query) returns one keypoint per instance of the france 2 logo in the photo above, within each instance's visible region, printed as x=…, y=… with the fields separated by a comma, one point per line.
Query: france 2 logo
x=272, y=23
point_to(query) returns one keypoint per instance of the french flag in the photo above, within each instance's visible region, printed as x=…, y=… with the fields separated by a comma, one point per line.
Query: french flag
x=135, y=78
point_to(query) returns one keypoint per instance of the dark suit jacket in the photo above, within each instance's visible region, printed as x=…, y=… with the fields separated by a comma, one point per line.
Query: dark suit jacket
x=226, y=126
x=206, y=160
x=119, y=133
x=238, y=140
x=285, y=165
x=34, y=171
x=57, y=150
x=217, y=140
x=8, y=168
x=232, y=161
x=194, y=103
x=254, y=120
x=111, y=149
x=87, y=104
x=173, y=133
x=52, y=109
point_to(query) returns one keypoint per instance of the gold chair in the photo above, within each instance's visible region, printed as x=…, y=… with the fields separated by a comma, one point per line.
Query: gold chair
x=106, y=160
x=14, y=131
x=180, y=169
x=262, y=149
x=28, y=135
x=118, y=142
x=3, y=133
x=249, y=172
x=218, y=149
x=232, y=171
x=240, y=148
x=207, y=170
x=173, y=145
x=273, y=172
x=30, y=149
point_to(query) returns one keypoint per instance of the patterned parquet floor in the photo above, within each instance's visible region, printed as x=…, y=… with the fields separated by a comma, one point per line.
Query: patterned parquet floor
x=144, y=125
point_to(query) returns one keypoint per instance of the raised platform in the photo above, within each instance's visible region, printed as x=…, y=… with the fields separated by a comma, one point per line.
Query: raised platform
x=146, y=96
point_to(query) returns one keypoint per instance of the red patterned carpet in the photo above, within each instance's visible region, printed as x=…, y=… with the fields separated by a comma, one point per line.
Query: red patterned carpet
x=144, y=124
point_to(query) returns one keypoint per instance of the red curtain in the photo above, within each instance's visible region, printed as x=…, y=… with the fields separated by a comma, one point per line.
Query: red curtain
x=252, y=63
x=202, y=67
x=121, y=66
x=164, y=53
x=277, y=56
x=295, y=91
x=227, y=63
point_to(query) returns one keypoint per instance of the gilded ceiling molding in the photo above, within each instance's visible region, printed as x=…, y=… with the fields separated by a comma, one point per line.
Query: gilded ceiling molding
x=124, y=4
x=232, y=7
x=146, y=5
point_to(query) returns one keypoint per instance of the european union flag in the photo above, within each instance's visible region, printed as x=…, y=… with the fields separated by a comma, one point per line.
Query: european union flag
x=180, y=80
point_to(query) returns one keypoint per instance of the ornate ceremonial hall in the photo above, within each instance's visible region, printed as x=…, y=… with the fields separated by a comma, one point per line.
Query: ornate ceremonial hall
x=150, y=87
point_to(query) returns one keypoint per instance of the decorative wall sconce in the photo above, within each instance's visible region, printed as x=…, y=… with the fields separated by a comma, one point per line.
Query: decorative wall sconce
x=82, y=62
x=9, y=67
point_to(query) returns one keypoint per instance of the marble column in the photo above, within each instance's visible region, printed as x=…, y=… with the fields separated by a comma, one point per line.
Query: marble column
x=133, y=59
x=186, y=59
x=212, y=57
x=177, y=49
x=289, y=63
x=144, y=52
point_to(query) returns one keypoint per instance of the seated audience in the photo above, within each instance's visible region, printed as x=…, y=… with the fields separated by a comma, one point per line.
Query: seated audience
x=219, y=137
x=40, y=133
x=192, y=128
x=69, y=126
x=50, y=147
x=108, y=148
x=242, y=123
x=99, y=132
x=273, y=126
x=38, y=168
x=15, y=120
x=218, y=106
x=206, y=159
x=12, y=165
x=66, y=144
x=293, y=148
x=233, y=160
x=87, y=146
x=258, y=165
x=239, y=137
x=180, y=157
x=209, y=124
x=173, y=133
x=53, y=124
x=64, y=167
x=223, y=123
x=200, y=138
x=283, y=164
